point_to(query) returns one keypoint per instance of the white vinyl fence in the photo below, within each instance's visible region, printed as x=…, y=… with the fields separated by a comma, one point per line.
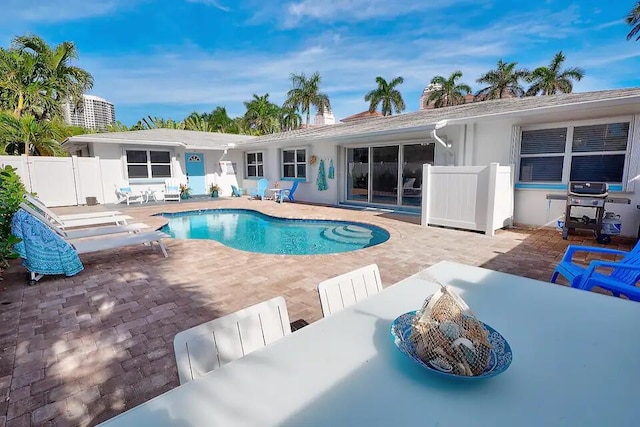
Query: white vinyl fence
x=478, y=198
x=59, y=181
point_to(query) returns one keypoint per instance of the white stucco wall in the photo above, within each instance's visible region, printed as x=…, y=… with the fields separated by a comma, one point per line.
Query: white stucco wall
x=307, y=190
x=491, y=142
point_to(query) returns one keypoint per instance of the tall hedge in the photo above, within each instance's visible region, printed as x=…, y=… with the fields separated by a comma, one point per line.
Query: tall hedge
x=11, y=194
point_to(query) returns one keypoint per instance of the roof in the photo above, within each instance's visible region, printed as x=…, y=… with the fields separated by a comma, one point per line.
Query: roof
x=189, y=139
x=427, y=119
x=364, y=115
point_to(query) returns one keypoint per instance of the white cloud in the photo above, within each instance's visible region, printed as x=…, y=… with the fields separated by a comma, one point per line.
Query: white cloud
x=355, y=10
x=215, y=3
x=55, y=10
x=611, y=24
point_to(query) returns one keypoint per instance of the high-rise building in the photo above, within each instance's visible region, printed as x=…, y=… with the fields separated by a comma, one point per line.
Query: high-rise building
x=93, y=113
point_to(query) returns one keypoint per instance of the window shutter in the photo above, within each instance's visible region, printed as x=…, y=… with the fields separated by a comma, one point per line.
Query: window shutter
x=605, y=137
x=543, y=141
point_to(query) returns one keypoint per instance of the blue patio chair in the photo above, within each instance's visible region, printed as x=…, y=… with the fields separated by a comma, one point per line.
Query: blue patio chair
x=261, y=189
x=235, y=191
x=620, y=278
x=288, y=193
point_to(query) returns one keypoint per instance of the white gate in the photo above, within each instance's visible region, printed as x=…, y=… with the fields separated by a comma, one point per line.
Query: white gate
x=476, y=198
x=59, y=181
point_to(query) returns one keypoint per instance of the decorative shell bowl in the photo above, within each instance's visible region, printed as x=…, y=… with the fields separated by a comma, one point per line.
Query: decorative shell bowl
x=499, y=361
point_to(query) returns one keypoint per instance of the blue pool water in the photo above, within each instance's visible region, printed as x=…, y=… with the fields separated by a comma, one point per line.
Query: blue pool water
x=253, y=231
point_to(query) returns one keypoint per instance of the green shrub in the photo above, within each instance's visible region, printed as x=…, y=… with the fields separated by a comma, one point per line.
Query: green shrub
x=11, y=194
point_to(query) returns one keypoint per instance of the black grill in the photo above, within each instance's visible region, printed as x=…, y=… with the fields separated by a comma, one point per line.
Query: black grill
x=586, y=195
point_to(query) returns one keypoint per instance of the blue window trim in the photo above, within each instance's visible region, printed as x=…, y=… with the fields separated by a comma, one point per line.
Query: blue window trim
x=293, y=179
x=532, y=186
x=254, y=178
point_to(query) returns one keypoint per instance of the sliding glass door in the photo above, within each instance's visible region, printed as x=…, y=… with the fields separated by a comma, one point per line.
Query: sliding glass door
x=358, y=174
x=414, y=157
x=389, y=175
x=384, y=175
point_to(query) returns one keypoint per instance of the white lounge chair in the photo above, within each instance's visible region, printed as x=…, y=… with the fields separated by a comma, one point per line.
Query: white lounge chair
x=82, y=221
x=86, y=232
x=97, y=243
x=349, y=288
x=213, y=344
x=34, y=200
x=172, y=190
x=125, y=193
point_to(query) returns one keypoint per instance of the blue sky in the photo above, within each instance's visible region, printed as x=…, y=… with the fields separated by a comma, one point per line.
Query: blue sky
x=168, y=58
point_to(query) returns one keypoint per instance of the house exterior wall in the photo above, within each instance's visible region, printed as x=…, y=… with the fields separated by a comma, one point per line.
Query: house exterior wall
x=495, y=141
x=307, y=189
x=113, y=164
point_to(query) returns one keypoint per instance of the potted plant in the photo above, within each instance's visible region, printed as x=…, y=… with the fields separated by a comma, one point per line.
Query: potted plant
x=214, y=189
x=185, y=191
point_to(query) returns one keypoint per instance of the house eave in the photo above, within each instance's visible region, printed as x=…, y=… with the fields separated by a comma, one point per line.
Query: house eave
x=75, y=139
x=576, y=106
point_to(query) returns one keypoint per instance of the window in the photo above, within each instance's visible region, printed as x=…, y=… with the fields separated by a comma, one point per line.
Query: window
x=294, y=163
x=574, y=153
x=148, y=164
x=598, y=152
x=255, y=165
x=542, y=155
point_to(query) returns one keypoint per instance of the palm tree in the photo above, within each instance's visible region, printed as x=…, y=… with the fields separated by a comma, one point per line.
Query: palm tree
x=447, y=91
x=503, y=81
x=20, y=88
x=219, y=121
x=117, y=126
x=387, y=95
x=196, y=122
x=157, y=123
x=28, y=135
x=552, y=79
x=262, y=115
x=306, y=93
x=633, y=18
x=290, y=119
x=62, y=81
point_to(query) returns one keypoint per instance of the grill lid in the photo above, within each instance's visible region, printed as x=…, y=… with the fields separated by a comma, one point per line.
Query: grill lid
x=593, y=189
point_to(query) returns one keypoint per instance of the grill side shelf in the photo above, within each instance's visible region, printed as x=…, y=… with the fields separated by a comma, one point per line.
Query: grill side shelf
x=618, y=200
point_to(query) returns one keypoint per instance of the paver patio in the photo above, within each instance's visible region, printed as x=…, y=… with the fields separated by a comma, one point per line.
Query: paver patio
x=79, y=350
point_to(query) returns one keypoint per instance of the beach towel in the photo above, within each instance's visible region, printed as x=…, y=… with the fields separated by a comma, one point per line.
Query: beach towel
x=43, y=251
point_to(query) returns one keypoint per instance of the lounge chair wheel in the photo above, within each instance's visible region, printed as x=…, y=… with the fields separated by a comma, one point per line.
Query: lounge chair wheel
x=604, y=239
x=32, y=282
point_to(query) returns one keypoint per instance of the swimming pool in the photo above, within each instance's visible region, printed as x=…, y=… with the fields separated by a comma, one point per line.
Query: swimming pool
x=252, y=231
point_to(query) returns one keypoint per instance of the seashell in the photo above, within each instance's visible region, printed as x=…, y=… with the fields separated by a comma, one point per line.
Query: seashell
x=440, y=364
x=467, y=348
x=450, y=330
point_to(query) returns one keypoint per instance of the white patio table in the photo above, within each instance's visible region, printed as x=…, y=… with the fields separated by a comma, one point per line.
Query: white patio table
x=576, y=363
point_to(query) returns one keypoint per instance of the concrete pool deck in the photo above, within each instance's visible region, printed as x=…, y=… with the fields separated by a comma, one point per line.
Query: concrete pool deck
x=79, y=350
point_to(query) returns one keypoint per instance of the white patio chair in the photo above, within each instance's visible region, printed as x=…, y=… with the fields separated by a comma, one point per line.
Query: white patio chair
x=172, y=190
x=79, y=220
x=349, y=288
x=213, y=344
x=125, y=193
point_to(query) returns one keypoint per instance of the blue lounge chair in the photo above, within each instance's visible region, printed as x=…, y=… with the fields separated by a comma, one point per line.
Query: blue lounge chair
x=235, y=191
x=619, y=278
x=288, y=193
x=261, y=189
